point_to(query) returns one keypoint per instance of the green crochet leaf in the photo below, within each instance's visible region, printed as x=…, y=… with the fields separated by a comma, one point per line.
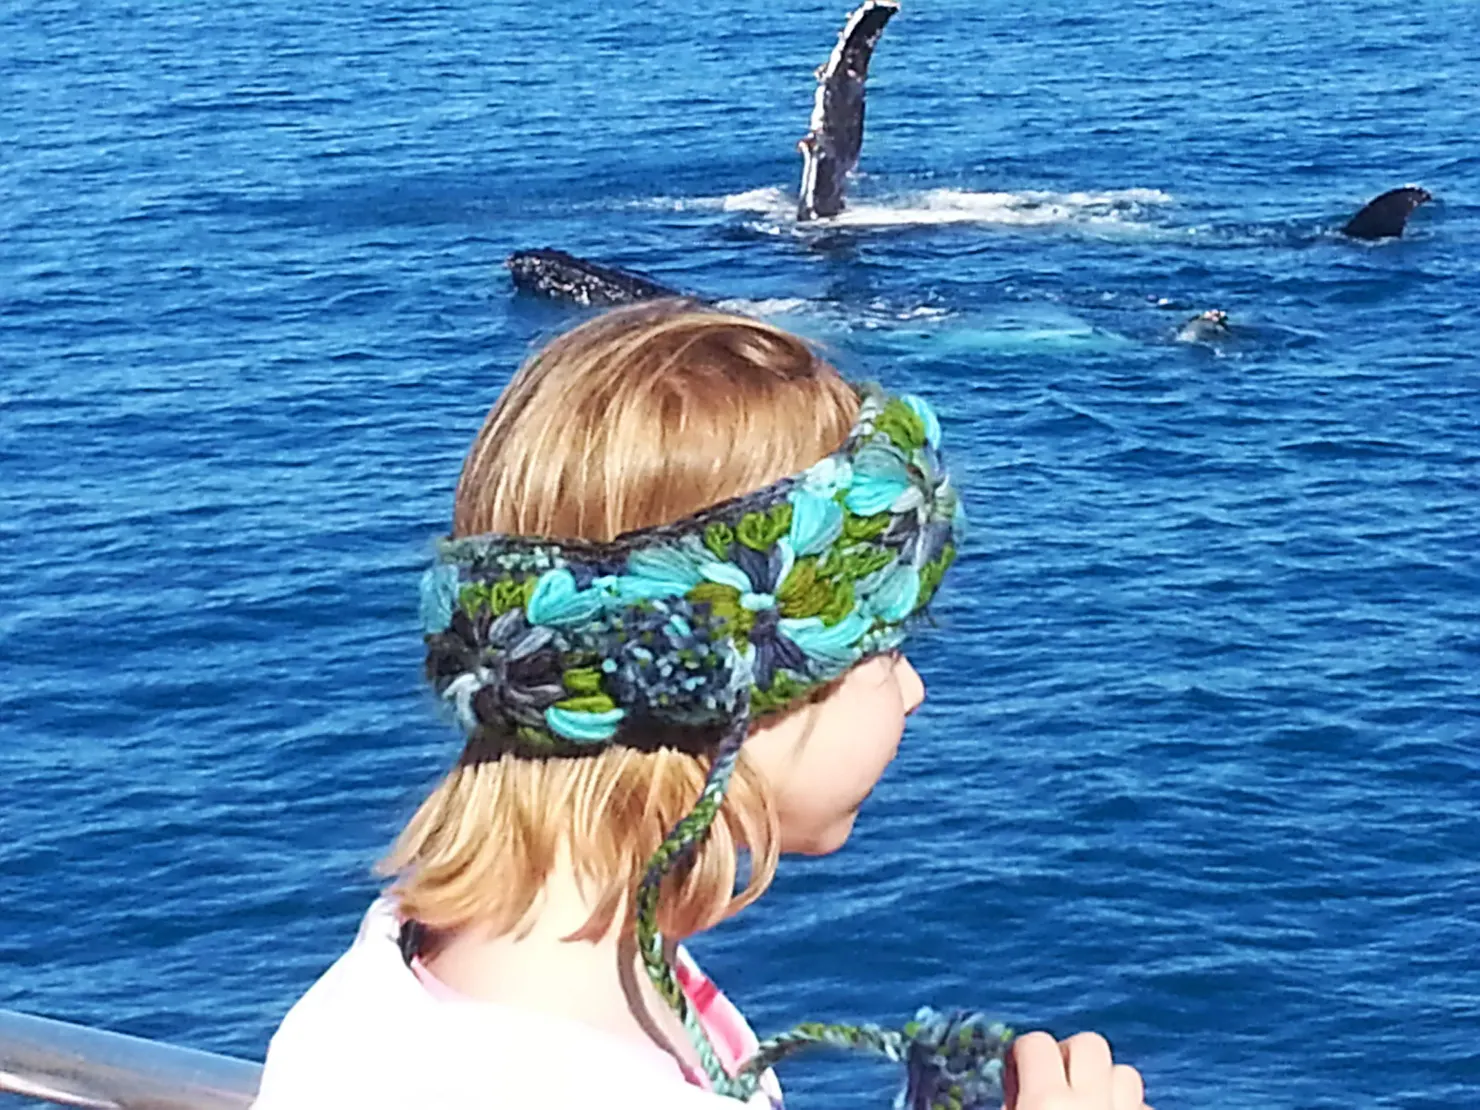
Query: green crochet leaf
x=864, y=527
x=760, y=530
x=784, y=690
x=932, y=573
x=900, y=423
x=724, y=603
x=718, y=537
x=592, y=703
x=582, y=680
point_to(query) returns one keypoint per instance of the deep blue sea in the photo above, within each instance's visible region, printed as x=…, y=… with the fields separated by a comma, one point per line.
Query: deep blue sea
x=1200, y=764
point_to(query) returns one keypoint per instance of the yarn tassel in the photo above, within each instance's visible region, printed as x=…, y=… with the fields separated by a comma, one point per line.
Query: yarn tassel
x=952, y=1061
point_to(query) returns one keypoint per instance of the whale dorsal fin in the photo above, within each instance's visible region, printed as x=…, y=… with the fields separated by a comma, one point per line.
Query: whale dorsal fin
x=1385, y=216
x=830, y=149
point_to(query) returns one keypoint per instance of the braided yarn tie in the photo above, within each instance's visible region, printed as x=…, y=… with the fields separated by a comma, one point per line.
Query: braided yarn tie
x=680, y=844
x=952, y=1061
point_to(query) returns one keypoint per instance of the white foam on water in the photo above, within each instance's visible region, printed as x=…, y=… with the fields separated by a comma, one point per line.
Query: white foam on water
x=923, y=312
x=766, y=306
x=776, y=207
x=1013, y=331
x=769, y=200
x=934, y=330
x=676, y=204
x=1032, y=208
x=829, y=314
x=1025, y=339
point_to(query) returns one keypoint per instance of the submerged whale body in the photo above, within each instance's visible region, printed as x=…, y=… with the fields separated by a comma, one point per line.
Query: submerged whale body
x=1385, y=216
x=1205, y=327
x=830, y=149
x=564, y=277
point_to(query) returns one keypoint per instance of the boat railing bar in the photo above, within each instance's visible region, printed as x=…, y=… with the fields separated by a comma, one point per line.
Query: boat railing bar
x=74, y=1065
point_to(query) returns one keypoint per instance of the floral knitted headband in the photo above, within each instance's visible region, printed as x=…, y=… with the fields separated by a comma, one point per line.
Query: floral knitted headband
x=547, y=647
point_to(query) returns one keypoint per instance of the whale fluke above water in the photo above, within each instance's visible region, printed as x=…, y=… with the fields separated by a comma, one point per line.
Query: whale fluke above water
x=830, y=149
x=564, y=277
x=1386, y=216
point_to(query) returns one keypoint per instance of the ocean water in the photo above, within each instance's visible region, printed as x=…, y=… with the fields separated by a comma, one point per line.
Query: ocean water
x=1200, y=764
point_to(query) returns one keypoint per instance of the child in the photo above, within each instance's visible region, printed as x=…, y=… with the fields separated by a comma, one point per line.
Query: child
x=668, y=619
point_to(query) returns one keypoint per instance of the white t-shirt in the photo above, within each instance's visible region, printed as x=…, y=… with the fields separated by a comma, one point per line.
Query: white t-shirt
x=370, y=1036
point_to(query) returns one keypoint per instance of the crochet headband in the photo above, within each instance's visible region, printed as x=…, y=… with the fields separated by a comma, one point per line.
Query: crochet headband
x=750, y=604
x=697, y=628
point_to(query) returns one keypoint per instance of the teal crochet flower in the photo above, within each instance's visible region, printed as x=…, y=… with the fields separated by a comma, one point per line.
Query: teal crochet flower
x=438, y=597
x=828, y=477
x=816, y=522
x=559, y=602
x=664, y=570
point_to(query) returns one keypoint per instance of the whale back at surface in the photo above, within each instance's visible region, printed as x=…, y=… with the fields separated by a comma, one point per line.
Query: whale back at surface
x=1385, y=216
x=830, y=149
x=564, y=277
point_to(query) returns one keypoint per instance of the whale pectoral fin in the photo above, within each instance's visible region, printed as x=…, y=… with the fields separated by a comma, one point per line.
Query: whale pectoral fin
x=859, y=38
x=830, y=149
x=824, y=180
x=1386, y=216
x=564, y=277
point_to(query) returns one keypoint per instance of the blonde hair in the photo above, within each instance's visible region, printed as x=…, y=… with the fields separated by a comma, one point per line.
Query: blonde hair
x=638, y=417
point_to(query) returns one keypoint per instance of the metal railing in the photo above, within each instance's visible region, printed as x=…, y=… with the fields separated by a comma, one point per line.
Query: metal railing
x=73, y=1065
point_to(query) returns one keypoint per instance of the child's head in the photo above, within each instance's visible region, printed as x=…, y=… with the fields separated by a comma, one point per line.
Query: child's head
x=676, y=523
x=638, y=417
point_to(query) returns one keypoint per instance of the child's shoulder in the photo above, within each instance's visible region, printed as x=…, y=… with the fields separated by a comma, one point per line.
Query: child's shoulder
x=368, y=1035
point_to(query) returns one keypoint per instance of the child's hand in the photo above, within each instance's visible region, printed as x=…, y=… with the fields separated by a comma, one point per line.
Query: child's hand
x=1076, y=1074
